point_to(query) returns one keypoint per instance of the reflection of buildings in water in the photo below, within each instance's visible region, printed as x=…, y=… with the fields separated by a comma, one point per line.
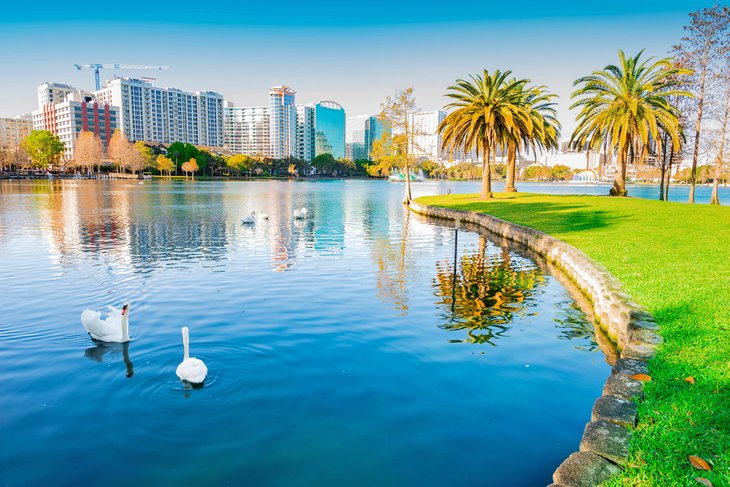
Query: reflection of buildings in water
x=485, y=293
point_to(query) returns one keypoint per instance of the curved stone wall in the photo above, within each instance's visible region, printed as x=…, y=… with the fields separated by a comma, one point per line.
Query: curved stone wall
x=604, y=448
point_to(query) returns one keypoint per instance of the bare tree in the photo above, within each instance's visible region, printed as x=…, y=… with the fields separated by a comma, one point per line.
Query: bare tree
x=723, y=116
x=119, y=149
x=705, y=45
x=399, y=110
x=87, y=150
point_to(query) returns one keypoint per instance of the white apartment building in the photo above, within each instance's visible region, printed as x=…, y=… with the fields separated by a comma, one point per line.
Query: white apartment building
x=427, y=140
x=306, y=138
x=14, y=130
x=246, y=130
x=282, y=122
x=165, y=115
x=50, y=93
x=79, y=111
x=355, y=140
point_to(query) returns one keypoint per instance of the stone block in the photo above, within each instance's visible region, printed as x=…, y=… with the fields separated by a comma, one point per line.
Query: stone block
x=643, y=335
x=614, y=409
x=608, y=440
x=584, y=469
x=623, y=386
x=630, y=366
x=640, y=351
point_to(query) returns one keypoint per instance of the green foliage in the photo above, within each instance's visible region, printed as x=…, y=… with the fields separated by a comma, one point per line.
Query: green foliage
x=240, y=163
x=147, y=154
x=43, y=148
x=681, y=276
x=628, y=104
x=325, y=165
x=537, y=172
x=561, y=173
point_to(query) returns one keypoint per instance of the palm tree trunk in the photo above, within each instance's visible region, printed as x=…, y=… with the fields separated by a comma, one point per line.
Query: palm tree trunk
x=511, y=160
x=669, y=173
x=619, y=180
x=715, y=199
x=486, y=172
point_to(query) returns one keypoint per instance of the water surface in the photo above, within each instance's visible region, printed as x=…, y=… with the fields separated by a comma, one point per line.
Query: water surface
x=342, y=350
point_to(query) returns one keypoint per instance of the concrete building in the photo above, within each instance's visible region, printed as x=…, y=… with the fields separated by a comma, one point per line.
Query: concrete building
x=14, y=130
x=282, y=122
x=246, y=130
x=50, y=93
x=78, y=111
x=427, y=140
x=361, y=132
x=305, y=132
x=165, y=115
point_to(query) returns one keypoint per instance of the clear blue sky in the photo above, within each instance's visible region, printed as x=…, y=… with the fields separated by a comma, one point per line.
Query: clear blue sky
x=352, y=52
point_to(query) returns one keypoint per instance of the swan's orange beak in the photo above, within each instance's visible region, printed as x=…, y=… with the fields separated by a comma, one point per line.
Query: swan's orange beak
x=124, y=310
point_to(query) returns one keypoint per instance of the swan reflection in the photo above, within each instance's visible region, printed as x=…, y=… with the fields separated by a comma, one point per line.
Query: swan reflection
x=100, y=349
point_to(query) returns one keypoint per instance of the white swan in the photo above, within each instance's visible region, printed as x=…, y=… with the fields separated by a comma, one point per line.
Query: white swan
x=262, y=216
x=191, y=369
x=249, y=219
x=300, y=214
x=113, y=329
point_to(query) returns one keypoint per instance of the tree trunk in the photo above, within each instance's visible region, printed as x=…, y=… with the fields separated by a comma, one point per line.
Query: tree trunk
x=619, y=180
x=715, y=199
x=486, y=172
x=669, y=173
x=698, y=127
x=661, y=183
x=511, y=160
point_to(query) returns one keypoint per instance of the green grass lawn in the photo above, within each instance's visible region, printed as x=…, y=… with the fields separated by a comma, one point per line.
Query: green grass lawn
x=674, y=259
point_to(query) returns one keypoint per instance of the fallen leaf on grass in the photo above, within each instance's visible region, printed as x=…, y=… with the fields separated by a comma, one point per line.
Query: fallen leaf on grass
x=642, y=377
x=699, y=463
x=703, y=481
x=690, y=380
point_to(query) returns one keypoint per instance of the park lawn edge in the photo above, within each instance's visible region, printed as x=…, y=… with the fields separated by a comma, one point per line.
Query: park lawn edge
x=674, y=260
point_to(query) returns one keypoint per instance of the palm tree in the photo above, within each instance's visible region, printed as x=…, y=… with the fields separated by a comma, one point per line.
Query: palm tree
x=487, y=110
x=545, y=129
x=627, y=104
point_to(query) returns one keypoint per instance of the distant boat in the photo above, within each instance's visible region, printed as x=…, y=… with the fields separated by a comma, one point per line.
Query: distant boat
x=397, y=176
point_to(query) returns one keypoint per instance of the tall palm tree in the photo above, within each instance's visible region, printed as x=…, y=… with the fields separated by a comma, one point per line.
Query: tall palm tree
x=627, y=103
x=487, y=110
x=545, y=131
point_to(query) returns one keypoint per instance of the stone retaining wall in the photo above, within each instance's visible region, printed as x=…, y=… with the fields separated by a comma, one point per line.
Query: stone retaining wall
x=604, y=448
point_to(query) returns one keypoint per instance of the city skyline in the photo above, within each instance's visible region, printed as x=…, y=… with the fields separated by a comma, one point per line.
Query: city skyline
x=357, y=65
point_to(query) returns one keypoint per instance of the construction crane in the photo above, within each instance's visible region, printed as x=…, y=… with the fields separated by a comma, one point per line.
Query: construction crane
x=97, y=67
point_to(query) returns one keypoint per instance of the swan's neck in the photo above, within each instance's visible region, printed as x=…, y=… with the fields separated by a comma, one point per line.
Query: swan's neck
x=125, y=326
x=186, y=344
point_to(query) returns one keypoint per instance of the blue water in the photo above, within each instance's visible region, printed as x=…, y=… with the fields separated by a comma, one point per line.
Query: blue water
x=677, y=193
x=342, y=350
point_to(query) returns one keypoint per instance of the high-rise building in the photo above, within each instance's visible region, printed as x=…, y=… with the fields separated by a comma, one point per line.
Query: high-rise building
x=284, y=130
x=50, y=93
x=79, y=111
x=246, y=130
x=165, y=115
x=329, y=126
x=355, y=142
x=282, y=122
x=426, y=143
x=375, y=127
x=305, y=132
x=362, y=131
x=14, y=130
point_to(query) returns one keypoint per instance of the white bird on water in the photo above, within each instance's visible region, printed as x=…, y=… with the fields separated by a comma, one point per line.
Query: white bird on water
x=191, y=369
x=262, y=216
x=249, y=219
x=300, y=214
x=113, y=329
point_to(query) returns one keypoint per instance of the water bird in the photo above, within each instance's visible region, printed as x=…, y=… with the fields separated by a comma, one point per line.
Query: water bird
x=262, y=216
x=300, y=214
x=191, y=369
x=249, y=219
x=113, y=329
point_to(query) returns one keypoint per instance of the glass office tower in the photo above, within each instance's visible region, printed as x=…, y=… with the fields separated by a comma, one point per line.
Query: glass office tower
x=329, y=122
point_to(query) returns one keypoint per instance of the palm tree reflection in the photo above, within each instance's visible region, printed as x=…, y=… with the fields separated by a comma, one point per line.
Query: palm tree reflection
x=485, y=293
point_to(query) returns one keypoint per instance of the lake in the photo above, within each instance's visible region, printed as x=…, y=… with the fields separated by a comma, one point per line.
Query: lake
x=344, y=349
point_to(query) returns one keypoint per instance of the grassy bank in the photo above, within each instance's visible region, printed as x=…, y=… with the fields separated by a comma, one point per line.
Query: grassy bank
x=674, y=259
